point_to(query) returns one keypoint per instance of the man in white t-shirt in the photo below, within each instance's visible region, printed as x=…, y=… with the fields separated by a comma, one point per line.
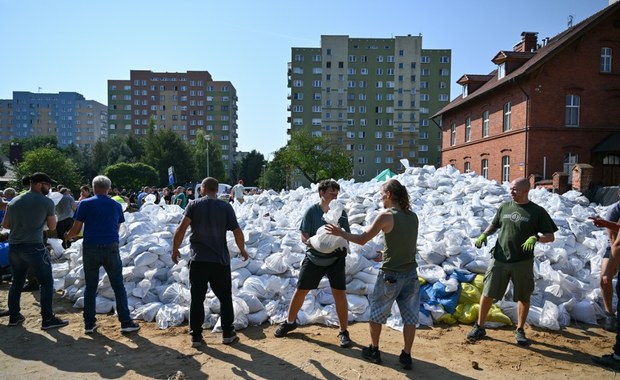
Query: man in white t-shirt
x=237, y=191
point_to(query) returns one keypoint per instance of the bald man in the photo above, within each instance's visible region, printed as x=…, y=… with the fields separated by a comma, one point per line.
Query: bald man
x=523, y=223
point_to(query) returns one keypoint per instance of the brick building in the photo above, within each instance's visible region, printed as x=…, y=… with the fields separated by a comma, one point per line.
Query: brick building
x=547, y=106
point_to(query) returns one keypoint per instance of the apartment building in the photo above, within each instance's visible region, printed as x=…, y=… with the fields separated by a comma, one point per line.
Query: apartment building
x=373, y=96
x=66, y=115
x=182, y=102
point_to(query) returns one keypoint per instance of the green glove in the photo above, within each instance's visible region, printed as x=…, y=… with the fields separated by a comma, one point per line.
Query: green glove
x=481, y=239
x=529, y=243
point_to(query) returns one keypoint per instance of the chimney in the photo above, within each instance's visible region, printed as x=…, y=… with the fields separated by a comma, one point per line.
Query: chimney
x=529, y=41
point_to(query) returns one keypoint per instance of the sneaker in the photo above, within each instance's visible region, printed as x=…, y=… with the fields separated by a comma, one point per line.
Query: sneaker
x=197, y=341
x=230, y=339
x=405, y=360
x=18, y=320
x=609, y=323
x=371, y=354
x=345, y=341
x=285, y=328
x=608, y=361
x=53, y=323
x=129, y=326
x=520, y=337
x=90, y=328
x=477, y=332
x=4, y=312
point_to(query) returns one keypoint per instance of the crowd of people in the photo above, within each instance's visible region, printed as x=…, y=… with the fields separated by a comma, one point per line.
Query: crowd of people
x=97, y=217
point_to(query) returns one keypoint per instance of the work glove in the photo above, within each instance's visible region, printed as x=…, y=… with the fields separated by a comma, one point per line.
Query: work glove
x=481, y=239
x=529, y=243
x=340, y=252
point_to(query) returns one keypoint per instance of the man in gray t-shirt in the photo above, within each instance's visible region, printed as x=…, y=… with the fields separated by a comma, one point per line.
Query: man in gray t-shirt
x=26, y=217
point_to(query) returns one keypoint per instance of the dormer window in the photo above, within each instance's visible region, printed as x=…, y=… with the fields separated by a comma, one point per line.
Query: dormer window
x=501, y=70
x=465, y=90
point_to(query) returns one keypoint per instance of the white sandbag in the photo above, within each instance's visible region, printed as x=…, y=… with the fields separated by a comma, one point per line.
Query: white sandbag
x=57, y=248
x=274, y=264
x=141, y=288
x=254, y=304
x=175, y=294
x=326, y=243
x=103, y=305
x=431, y=273
x=145, y=258
x=357, y=286
x=357, y=304
x=325, y=296
x=549, y=316
x=584, y=311
x=60, y=270
x=170, y=315
x=147, y=312
x=258, y=318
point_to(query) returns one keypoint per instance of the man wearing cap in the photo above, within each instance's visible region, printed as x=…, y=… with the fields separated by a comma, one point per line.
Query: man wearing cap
x=25, y=217
x=237, y=191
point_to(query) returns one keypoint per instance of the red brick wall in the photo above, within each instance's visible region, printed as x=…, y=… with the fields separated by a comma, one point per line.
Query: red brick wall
x=574, y=70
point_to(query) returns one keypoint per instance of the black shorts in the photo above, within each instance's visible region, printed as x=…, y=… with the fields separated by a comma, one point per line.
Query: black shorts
x=311, y=274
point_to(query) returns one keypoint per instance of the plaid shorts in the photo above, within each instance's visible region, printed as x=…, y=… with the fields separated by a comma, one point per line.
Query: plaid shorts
x=404, y=288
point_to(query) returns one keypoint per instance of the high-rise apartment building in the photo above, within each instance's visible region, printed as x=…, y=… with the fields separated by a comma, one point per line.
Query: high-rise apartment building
x=66, y=115
x=373, y=96
x=182, y=102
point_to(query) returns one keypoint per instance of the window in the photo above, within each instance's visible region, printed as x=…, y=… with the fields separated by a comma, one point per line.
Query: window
x=501, y=70
x=444, y=59
x=484, y=168
x=605, y=60
x=505, y=168
x=426, y=59
x=572, y=110
x=453, y=134
x=570, y=159
x=444, y=97
x=378, y=134
x=467, y=129
x=423, y=148
x=467, y=167
x=425, y=72
x=485, y=124
x=506, y=121
x=444, y=72
x=378, y=147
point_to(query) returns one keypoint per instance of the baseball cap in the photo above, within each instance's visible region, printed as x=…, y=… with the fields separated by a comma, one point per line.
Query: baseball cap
x=41, y=177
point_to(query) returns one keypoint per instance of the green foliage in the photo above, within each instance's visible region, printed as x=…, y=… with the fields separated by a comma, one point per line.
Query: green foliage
x=251, y=168
x=36, y=142
x=277, y=174
x=216, y=165
x=165, y=148
x=54, y=163
x=2, y=168
x=316, y=157
x=114, y=150
x=131, y=176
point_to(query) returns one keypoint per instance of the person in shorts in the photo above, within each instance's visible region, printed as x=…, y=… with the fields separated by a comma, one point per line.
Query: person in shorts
x=612, y=217
x=398, y=279
x=316, y=265
x=523, y=223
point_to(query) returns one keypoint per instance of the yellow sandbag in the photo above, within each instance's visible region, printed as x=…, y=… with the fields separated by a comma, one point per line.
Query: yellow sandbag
x=447, y=319
x=469, y=294
x=467, y=313
x=478, y=282
x=496, y=315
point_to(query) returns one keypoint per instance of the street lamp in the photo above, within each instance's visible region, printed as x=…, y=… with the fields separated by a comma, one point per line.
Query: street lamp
x=208, y=139
x=264, y=179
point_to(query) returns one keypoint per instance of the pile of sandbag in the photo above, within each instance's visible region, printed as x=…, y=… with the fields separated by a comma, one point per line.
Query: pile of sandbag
x=453, y=209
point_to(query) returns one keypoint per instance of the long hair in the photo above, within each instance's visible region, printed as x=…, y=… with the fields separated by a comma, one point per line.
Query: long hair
x=399, y=194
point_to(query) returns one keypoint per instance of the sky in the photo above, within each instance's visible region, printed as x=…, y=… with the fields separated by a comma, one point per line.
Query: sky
x=62, y=45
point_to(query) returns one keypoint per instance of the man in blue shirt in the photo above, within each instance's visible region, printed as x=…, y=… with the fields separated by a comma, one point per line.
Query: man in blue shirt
x=101, y=217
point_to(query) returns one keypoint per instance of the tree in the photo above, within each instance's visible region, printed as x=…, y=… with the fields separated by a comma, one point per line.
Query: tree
x=52, y=162
x=2, y=168
x=251, y=168
x=216, y=165
x=165, y=148
x=83, y=158
x=277, y=172
x=116, y=149
x=316, y=157
x=131, y=176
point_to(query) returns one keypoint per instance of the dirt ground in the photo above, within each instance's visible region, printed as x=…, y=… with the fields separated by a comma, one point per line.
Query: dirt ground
x=310, y=352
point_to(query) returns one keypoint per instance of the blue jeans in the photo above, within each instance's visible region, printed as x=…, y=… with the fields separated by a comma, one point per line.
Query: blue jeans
x=94, y=256
x=33, y=256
